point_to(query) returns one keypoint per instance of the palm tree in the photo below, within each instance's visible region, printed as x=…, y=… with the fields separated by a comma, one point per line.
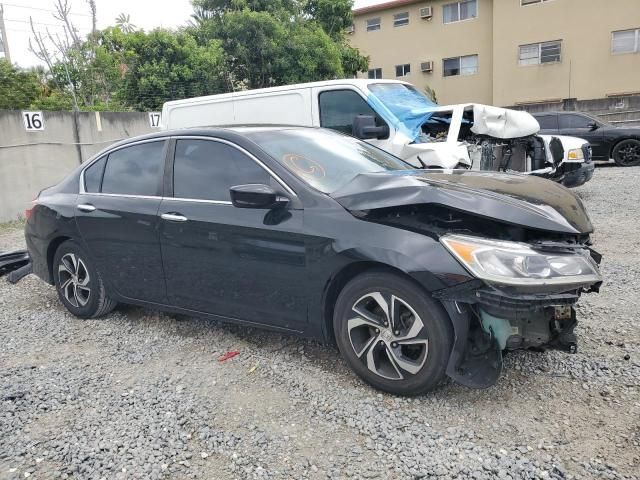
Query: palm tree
x=199, y=16
x=123, y=22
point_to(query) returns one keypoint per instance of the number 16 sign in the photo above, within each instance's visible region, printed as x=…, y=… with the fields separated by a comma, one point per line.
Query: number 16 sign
x=33, y=121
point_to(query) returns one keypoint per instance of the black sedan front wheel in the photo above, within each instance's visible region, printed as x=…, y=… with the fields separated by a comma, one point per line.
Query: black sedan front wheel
x=79, y=284
x=627, y=153
x=392, y=334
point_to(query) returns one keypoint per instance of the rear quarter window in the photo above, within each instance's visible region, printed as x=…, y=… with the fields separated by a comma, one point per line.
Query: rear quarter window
x=135, y=170
x=93, y=176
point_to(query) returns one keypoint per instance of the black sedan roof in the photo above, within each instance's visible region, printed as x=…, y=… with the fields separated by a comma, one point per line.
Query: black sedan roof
x=228, y=132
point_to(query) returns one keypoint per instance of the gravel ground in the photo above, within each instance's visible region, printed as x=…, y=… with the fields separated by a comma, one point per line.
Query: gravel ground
x=141, y=394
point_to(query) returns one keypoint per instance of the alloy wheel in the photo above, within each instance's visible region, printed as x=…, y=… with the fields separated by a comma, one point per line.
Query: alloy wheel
x=387, y=335
x=74, y=280
x=629, y=153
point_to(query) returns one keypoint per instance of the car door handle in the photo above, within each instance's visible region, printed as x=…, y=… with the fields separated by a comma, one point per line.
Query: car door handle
x=173, y=217
x=86, y=207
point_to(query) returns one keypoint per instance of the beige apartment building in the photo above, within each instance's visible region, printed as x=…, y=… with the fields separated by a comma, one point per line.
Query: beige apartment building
x=505, y=52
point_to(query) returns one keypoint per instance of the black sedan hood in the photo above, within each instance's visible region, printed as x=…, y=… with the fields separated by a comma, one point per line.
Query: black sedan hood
x=515, y=199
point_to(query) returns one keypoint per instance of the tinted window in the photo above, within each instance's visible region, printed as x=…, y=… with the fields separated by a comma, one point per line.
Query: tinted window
x=135, y=170
x=547, y=122
x=574, y=121
x=93, y=176
x=206, y=170
x=325, y=160
x=338, y=108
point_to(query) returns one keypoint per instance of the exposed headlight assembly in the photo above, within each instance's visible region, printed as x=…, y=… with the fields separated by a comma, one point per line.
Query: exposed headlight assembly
x=575, y=154
x=514, y=263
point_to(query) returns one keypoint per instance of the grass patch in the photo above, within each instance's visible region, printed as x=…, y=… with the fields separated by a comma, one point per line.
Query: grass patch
x=17, y=224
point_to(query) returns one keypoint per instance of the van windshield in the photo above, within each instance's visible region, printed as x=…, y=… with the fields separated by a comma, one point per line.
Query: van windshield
x=410, y=107
x=324, y=159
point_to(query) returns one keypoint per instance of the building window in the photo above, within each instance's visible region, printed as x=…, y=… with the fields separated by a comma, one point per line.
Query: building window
x=626, y=41
x=458, y=11
x=401, y=19
x=467, y=65
x=537, y=53
x=375, y=73
x=373, y=24
x=403, y=70
x=524, y=3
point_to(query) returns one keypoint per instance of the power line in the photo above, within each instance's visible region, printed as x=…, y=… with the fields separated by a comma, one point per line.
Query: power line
x=43, y=9
x=39, y=23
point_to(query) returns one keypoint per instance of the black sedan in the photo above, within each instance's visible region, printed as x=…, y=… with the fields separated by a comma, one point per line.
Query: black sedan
x=607, y=141
x=413, y=274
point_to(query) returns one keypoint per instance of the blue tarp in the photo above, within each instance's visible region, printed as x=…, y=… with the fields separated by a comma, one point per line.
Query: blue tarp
x=406, y=107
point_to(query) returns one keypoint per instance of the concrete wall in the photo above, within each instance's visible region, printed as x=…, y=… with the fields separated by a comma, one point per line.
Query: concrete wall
x=620, y=111
x=31, y=161
x=424, y=40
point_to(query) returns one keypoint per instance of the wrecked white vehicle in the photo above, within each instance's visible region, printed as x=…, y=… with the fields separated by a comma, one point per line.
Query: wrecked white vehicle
x=498, y=139
x=478, y=137
x=398, y=118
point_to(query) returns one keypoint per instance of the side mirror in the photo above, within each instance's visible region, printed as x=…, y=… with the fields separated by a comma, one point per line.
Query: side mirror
x=592, y=126
x=364, y=127
x=256, y=196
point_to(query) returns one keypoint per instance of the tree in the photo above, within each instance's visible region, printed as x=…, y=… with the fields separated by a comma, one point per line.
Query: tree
x=276, y=42
x=18, y=89
x=333, y=15
x=123, y=22
x=161, y=65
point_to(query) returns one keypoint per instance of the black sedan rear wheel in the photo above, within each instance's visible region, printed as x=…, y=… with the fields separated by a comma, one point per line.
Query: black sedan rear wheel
x=392, y=334
x=78, y=283
x=627, y=153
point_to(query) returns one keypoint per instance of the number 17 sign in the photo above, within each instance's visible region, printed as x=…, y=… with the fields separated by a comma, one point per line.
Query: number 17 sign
x=154, y=119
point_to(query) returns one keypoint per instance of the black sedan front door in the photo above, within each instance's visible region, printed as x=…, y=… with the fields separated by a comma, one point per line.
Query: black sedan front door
x=245, y=264
x=581, y=126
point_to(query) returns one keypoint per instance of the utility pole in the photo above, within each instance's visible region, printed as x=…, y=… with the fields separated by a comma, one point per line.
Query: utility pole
x=4, y=45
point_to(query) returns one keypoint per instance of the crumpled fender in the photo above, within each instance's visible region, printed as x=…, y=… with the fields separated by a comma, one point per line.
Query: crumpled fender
x=515, y=199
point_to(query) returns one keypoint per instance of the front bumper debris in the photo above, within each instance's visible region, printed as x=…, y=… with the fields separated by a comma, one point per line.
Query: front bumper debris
x=488, y=321
x=16, y=264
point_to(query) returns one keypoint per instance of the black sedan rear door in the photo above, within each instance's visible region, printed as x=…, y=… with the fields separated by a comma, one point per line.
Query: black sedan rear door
x=117, y=216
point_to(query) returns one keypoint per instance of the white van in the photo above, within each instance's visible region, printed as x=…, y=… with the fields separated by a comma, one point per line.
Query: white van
x=398, y=118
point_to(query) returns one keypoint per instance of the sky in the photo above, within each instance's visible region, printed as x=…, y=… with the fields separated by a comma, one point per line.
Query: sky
x=146, y=14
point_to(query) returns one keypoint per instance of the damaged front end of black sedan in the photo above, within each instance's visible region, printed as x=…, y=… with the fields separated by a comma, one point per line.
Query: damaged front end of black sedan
x=525, y=241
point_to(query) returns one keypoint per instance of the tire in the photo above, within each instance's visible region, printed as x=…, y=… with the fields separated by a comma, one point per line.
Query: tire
x=627, y=153
x=409, y=355
x=79, y=285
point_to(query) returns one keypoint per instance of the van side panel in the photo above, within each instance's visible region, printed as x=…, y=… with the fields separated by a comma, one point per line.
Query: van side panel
x=211, y=112
x=291, y=107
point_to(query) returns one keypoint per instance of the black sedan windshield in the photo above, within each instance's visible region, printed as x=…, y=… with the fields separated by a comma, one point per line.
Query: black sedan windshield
x=324, y=159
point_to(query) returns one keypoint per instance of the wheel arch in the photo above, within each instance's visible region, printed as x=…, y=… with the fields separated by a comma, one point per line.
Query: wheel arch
x=338, y=281
x=51, y=252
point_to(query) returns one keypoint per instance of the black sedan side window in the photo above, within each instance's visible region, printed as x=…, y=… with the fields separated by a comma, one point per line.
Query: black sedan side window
x=206, y=170
x=574, y=121
x=135, y=170
x=547, y=122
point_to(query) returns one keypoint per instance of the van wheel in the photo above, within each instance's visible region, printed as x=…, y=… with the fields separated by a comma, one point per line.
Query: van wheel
x=392, y=334
x=79, y=285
